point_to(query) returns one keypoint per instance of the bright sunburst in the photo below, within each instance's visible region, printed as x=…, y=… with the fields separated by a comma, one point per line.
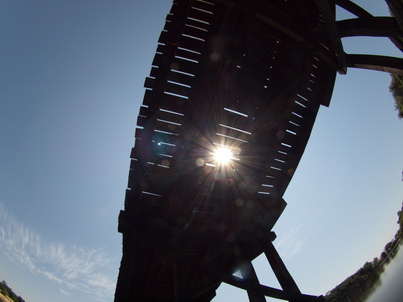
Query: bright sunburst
x=223, y=155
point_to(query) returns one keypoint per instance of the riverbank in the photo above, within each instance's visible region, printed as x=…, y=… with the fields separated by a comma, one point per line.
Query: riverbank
x=390, y=287
x=7, y=294
x=361, y=285
x=4, y=298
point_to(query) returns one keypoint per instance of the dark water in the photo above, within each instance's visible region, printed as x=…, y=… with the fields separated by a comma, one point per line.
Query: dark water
x=391, y=287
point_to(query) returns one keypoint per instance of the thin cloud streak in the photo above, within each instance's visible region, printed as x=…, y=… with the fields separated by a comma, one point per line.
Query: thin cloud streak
x=291, y=243
x=72, y=268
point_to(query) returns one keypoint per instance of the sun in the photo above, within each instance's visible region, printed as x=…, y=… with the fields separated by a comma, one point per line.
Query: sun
x=223, y=155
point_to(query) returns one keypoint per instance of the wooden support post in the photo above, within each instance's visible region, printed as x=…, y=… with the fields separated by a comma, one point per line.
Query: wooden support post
x=254, y=294
x=330, y=25
x=283, y=276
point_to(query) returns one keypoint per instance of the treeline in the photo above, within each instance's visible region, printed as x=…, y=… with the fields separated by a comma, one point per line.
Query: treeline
x=396, y=85
x=359, y=286
x=396, y=88
x=8, y=292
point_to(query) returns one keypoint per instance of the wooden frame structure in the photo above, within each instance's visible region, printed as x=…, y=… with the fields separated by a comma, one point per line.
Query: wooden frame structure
x=248, y=76
x=364, y=25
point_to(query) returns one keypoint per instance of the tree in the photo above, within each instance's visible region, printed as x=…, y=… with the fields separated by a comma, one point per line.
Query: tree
x=8, y=292
x=396, y=88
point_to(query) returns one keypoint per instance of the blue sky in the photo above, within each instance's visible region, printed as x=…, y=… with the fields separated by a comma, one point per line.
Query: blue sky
x=71, y=78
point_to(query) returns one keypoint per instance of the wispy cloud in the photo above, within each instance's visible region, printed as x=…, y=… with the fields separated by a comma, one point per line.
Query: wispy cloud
x=71, y=267
x=65, y=293
x=290, y=243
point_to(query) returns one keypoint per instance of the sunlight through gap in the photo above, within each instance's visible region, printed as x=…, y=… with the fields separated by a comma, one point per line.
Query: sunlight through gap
x=223, y=155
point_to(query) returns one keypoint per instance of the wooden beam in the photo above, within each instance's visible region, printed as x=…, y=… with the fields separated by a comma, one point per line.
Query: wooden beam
x=374, y=27
x=254, y=293
x=352, y=8
x=270, y=291
x=283, y=276
x=248, y=285
x=380, y=63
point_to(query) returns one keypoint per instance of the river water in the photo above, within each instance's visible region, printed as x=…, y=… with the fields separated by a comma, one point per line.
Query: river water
x=391, y=287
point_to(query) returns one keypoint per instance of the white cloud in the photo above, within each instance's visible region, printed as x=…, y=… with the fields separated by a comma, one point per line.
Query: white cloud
x=290, y=243
x=70, y=267
x=65, y=292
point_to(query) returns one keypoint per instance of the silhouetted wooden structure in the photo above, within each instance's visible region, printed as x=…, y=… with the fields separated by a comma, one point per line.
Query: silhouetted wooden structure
x=249, y=75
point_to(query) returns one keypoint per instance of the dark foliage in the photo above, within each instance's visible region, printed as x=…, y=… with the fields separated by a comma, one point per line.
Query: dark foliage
x=8, y=292
x=396, y=88
x=396, y=85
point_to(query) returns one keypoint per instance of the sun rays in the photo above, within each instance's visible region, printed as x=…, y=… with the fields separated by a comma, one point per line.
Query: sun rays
x=222, y=155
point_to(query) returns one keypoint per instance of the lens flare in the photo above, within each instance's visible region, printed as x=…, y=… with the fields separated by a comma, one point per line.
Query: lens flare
x=222, y=156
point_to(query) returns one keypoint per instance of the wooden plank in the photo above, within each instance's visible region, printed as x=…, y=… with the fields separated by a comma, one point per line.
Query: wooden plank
x=170, y=118
x=195, y=32
x=200, y=15
x=188, y=55
x=193, y=44
x=181, y=78
x=149, y=82
x=206, y=5
x=162, y=62
x=144, y=111
x=178, y=10
x=169, y=37
x=185, y=66
x=197, y=23
x=260, y=54
x=237, y=135
x=169, y=128
x=166, y=101
x=141, y=120
x=172, y=103
x=174, y=27
x=167, y=50
x=155, y=72
x=177, y=90
x=139, y=133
